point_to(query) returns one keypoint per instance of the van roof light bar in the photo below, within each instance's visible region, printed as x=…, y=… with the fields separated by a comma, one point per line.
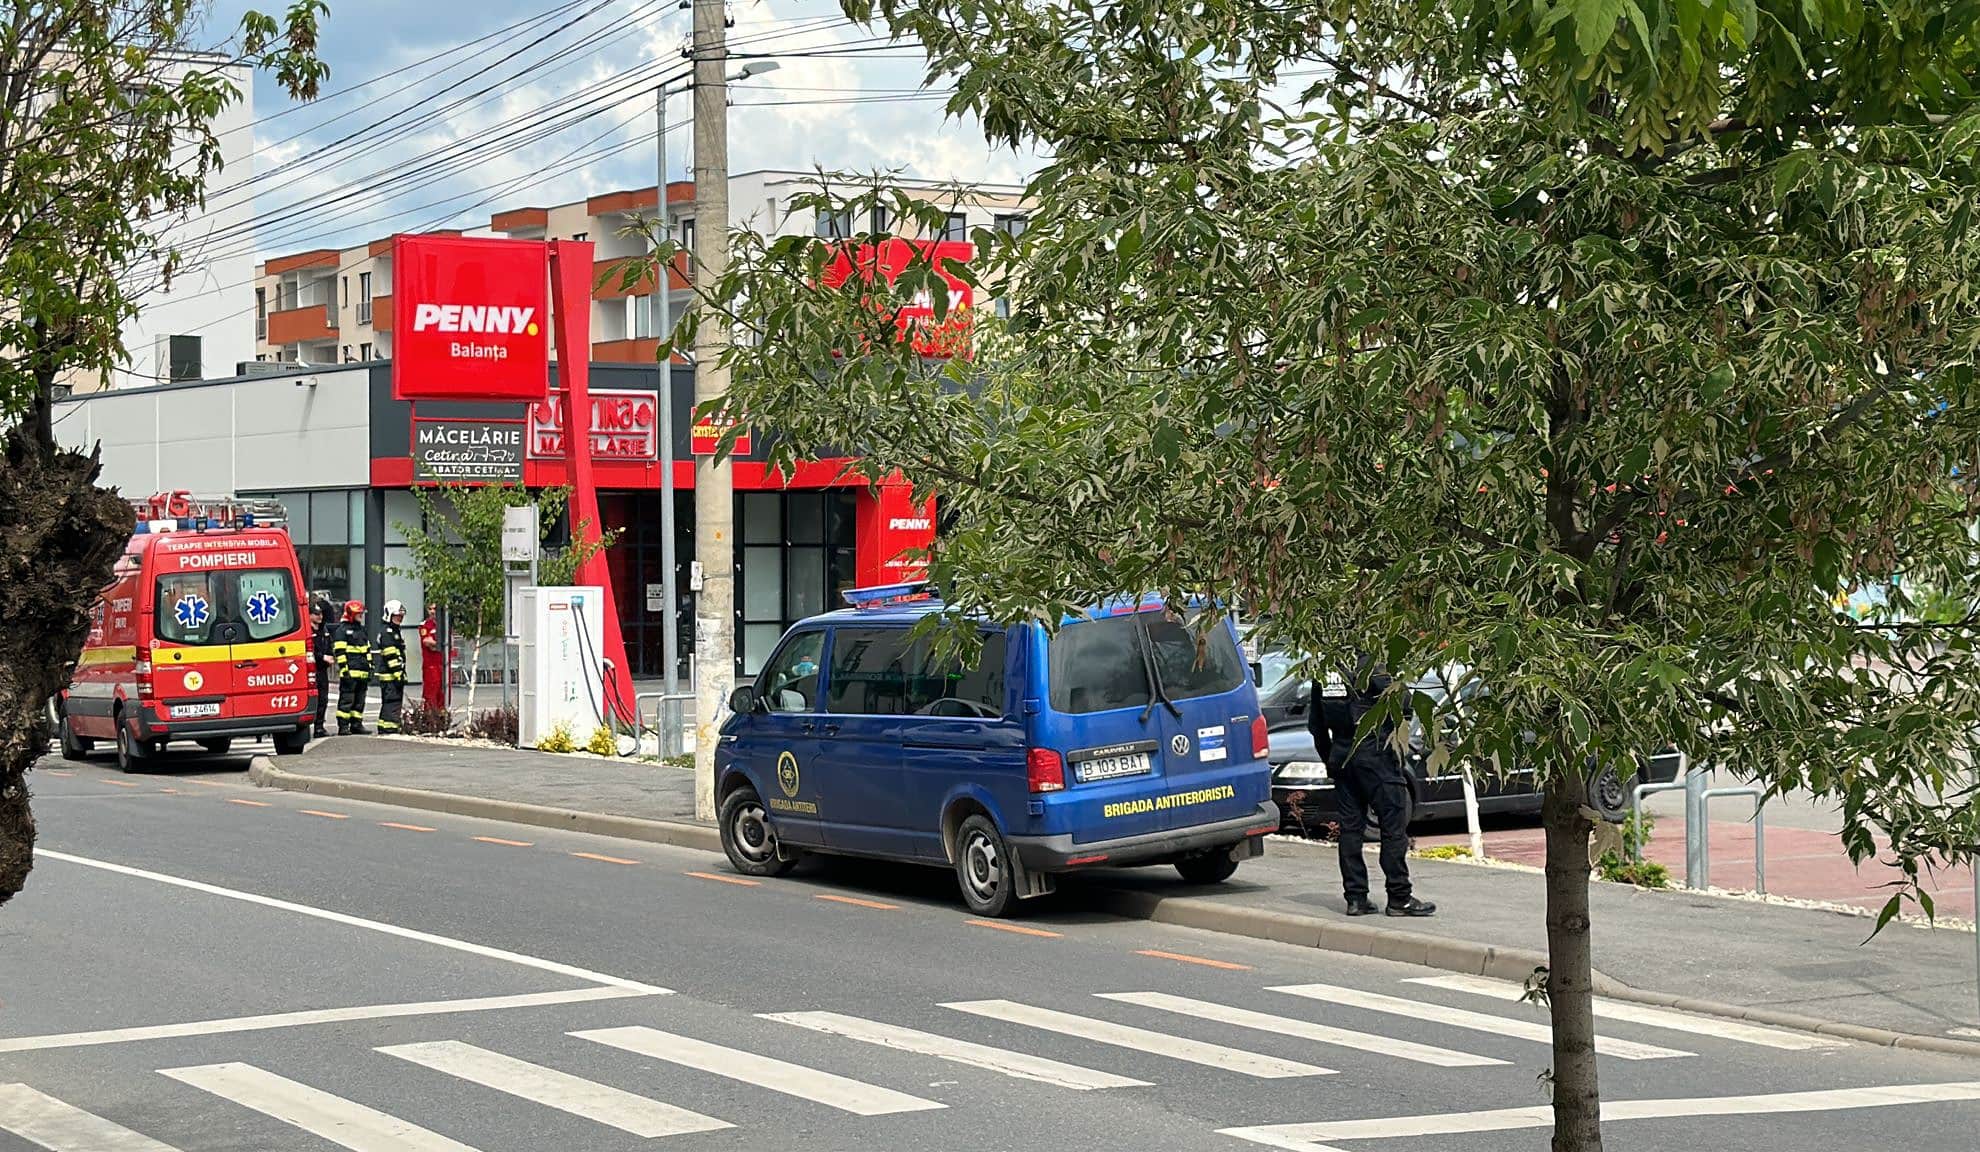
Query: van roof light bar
x=884, y=595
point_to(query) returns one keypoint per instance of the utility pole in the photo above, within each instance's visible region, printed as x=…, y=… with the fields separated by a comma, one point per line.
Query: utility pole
x=662, y=283
x=714, y=486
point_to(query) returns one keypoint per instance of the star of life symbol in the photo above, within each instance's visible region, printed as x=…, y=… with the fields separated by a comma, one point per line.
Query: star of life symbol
x=262, y=607
x=191, y=611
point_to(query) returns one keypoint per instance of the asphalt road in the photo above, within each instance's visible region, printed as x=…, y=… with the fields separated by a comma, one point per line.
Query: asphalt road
x=201, y=966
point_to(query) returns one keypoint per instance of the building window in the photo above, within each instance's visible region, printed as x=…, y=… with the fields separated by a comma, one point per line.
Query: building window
x=344, y=290
x=882, y=220
x=348, y=358
x=364, y=352
x=364, y=298
x=183, y=353
x=835, y=225
x=687, y=233
x=956, y=227
x=577, y=237
x=261, y=313
x=1003, y=308
x=639, y=316
x=1013, y=225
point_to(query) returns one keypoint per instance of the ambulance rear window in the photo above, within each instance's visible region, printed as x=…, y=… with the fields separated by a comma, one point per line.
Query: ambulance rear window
x=227, y=606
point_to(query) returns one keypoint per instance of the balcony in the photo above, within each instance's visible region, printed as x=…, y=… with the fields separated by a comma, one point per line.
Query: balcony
x=608, y=278
x=301, y=325
x=640, y=351
x=378, y=311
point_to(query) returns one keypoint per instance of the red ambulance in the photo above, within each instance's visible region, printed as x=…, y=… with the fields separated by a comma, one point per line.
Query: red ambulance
x=203, y=635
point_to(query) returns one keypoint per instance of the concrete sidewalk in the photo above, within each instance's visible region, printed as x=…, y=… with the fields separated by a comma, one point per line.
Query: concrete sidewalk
x=1800, y=966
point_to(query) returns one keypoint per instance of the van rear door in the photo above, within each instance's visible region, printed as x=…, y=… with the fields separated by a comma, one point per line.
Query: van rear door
x=1207, y=755
x=231, y=640
x=1104, y=718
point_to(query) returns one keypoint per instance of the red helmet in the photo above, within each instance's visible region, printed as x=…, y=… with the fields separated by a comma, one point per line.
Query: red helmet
x=353, y=609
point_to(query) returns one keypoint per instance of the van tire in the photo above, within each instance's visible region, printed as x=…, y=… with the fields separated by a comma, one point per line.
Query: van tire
x=1212, y=867
x=217, y=745
x=291, y=743
x=983, y=868
x=133, y=754
x=748, y=839
x=74, y=747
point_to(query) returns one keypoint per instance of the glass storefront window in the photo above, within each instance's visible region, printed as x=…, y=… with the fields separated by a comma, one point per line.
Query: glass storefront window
x=763, y=518
x=807, y=582
x=330, y=517
x=763, y=584
x=807, y=513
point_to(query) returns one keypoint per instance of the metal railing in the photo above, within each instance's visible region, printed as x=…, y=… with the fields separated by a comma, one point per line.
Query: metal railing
x=1759, y=834
x=1698, y=799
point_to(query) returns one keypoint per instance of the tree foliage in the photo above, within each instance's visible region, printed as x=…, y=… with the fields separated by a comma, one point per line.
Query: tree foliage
x=1592, y=347
x=457, y=550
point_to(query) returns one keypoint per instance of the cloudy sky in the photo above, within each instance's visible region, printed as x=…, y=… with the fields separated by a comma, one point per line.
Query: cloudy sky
x=437, y=114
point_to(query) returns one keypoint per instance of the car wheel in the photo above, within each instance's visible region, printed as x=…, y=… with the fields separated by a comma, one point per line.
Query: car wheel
x=291, y=743
x=1608, y=795
x=132, y=753
x=983, y=868
x=748, y=838
x=1212, y=867
x=218, y=745
x=74, y=747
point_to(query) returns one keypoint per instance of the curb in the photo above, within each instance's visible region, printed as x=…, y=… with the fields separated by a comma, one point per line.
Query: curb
x=264, y=774
x=1327, y=935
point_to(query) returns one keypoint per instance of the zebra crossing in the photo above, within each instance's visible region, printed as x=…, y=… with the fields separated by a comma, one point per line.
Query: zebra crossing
x=1158, y=1037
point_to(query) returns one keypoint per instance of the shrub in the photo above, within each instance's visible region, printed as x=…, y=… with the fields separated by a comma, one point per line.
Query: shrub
x=421, y=720
x=1624, y=867
x=1445, y=852
x=1647, y=874
x=497, y=724
x=602, y=743
x=558, y=739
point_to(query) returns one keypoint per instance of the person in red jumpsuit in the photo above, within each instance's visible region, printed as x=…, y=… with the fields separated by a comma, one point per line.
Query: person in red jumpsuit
x=432, y=669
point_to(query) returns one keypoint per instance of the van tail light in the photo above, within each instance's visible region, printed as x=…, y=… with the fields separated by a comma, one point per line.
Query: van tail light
x=141, y=668
x=1044, y=770
x=1261, y=743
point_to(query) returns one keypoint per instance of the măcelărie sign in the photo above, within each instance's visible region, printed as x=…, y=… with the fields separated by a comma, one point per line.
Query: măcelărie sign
x=624, y=426
x=467, y=451
x=470, y=318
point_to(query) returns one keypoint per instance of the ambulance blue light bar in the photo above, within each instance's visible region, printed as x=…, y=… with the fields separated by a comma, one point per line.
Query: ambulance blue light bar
x=884, y=595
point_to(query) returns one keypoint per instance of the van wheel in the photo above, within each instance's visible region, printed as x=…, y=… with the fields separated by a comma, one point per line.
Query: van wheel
x=1212, y=867
x=748, y=838
x=133, y=754
x=74, y=747
x=291, y=743
x=983, y=868
x=218, y=745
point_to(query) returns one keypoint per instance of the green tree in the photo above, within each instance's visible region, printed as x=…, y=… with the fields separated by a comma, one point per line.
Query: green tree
x=1591, y=347
x=106, y=117
x=457, y=554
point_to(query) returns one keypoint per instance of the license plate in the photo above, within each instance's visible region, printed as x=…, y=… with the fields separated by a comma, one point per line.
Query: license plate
x=188, y=711
x=1111, y=767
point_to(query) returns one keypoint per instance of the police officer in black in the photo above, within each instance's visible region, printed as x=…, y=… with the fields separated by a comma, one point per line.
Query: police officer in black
x=389, y=659
x=1368, y=775
x=324, y=643
x=352, y=648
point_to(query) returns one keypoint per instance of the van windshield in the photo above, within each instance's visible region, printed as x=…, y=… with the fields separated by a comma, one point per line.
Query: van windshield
x=225, y=606
x=1096, y=665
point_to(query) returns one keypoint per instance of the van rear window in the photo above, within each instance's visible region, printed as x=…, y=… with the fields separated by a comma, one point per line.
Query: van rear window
x=1096, y=665
x=226, y=606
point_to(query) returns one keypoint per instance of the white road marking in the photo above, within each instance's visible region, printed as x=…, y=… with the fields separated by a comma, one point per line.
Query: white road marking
x=340, y=1121
x=1463, y=1018
x=360, y=922
x=1140, y=1039
x=310, y=1016
x=1304, y=1029
x=839, y=1092
x=1018, y=1064
x=58, y=1127
x=1654, y=1017
x=553, y=1089
x=1308, y=1137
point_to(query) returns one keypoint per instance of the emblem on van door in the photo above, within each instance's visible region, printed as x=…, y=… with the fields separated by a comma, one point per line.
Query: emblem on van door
x=194, y=681
x=1179, y=744
x=787, y=773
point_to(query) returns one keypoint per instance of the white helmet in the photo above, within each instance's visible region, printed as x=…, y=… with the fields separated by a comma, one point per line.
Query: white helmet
x=394, y=608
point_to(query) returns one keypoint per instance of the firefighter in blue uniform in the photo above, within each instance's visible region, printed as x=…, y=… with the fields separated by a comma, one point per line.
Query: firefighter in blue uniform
x=389, y=658
x=352, y=649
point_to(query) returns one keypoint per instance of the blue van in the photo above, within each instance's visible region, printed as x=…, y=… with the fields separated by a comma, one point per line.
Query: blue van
x=1118, y=739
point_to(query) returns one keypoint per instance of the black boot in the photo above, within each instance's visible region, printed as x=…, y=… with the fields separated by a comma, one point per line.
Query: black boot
x=1360, y=906
x=1411, y=907
x=320, y=732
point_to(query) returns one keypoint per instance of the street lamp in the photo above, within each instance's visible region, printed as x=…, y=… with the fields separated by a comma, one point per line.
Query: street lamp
x=662, y=289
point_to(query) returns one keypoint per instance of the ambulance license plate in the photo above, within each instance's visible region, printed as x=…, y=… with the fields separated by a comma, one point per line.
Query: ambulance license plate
x=189, y=711
x=1112, y=767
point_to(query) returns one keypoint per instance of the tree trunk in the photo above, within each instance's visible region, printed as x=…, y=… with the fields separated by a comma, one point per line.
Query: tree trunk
x=1577, y=1095
x=59, y=537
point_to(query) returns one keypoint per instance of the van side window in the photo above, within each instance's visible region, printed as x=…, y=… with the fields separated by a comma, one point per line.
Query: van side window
x=869, y=671
x=790, y=683
x=951, y=688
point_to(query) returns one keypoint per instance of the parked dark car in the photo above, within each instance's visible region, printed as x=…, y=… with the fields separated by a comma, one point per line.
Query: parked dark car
x=1306, y=797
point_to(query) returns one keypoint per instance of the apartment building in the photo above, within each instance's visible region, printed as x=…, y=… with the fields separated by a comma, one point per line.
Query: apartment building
x=333, y=306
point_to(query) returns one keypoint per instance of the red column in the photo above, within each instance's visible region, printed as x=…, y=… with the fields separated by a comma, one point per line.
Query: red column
x=570, y=303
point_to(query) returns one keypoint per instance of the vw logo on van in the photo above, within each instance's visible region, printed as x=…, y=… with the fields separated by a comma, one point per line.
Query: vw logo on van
x=1179, y=744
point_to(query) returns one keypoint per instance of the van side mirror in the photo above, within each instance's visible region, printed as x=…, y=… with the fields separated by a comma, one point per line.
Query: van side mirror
x=743, y=699
x=1257, y=674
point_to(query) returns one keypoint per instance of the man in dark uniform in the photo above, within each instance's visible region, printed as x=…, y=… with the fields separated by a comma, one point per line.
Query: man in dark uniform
x=1368, y=775
x=353, y=651
x=389, y=658
x=324, y=640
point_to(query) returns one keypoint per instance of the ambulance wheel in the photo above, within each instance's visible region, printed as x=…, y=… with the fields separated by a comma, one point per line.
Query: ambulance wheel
x=133, y=754
x=74, y=747
x=748, y=838
x=218, y=745
x=983, y=868
x=1212, y=867
x=291, y=743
